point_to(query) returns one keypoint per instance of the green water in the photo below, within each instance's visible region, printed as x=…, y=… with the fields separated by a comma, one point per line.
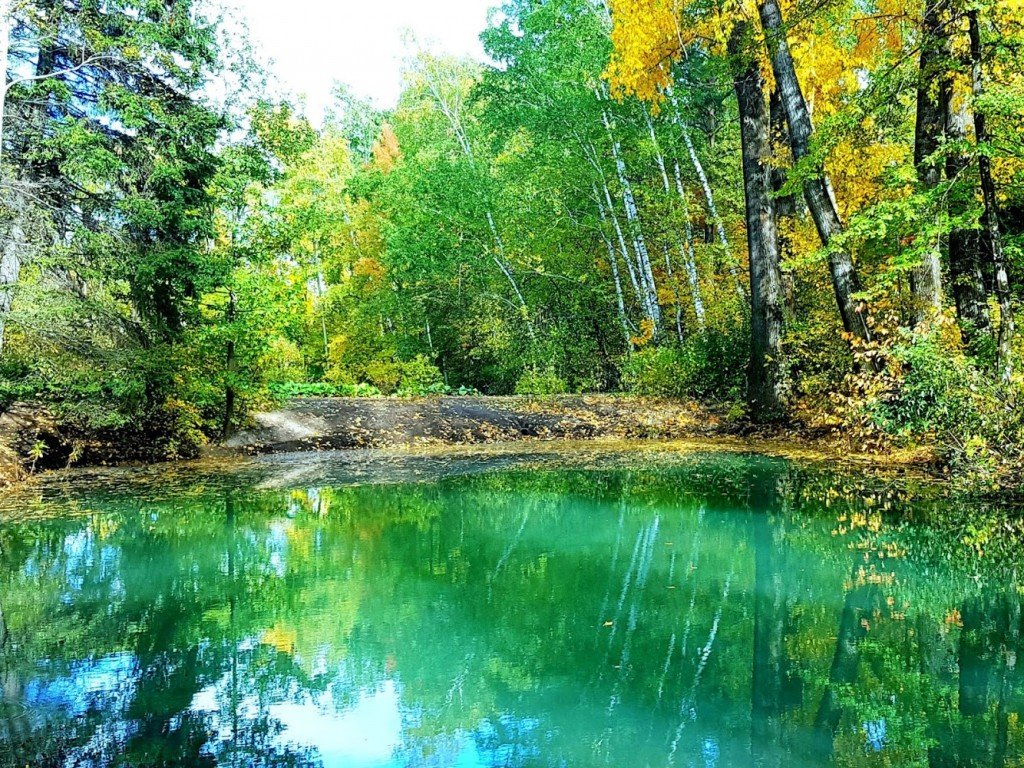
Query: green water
x=712, y=611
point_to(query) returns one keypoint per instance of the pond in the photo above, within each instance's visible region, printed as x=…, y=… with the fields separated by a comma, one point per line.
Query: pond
x=707, y=609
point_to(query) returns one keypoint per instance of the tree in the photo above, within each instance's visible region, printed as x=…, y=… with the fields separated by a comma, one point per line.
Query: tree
x=765, y=383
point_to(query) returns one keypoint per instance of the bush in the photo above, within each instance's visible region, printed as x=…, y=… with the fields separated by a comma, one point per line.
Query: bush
x=932, y=389
x=385, y=375
x=711, y=365
x=293, y=389
x=540, y=382
x=414, y=378
x=420, y=377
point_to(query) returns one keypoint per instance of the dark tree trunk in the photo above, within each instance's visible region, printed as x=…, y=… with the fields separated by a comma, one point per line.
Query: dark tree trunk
x=817, y=190
x=770, y=665
x=230, y=367
x=1009, y=651
x=765, y=381
x=933, y=94
x=965, y=264
x=991, y=239
x=853, y=623
x=785, y=205
x=977, y=661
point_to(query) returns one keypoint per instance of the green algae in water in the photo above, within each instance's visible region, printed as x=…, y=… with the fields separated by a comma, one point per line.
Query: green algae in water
x=718, y=611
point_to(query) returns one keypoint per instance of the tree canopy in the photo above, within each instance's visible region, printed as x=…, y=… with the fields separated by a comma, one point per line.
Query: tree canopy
x=788, y=210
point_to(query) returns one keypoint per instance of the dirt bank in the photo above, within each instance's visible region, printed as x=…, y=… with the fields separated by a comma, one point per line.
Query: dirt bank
x=325, y=424
x=330, y=423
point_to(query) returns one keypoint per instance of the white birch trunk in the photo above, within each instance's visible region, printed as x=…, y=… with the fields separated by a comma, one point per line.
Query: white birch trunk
x=451, y=113
x=690, y=259
x=709, y=198
x=613, y=260
x=660, y=159
x=10, y=269
x=636, y=228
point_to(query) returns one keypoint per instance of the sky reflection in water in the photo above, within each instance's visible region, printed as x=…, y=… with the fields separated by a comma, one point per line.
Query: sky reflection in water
x=723, y=611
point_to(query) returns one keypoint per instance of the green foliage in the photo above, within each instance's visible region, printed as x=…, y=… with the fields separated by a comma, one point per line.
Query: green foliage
x=543, y=381
x=933, y=388
x=711, y=365
x=419, y=376
x=290, y=390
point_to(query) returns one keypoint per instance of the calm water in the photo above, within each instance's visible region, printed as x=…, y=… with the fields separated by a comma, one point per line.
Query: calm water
x=712, y=611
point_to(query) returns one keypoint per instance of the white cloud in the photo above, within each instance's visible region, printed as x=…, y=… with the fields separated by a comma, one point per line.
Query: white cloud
x=359, y=42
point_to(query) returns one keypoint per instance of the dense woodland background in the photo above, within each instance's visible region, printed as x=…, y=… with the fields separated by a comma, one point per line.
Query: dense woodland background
x=811, y=211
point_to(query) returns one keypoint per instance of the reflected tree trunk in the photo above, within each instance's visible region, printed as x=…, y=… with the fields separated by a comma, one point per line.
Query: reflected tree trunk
x=1008, y=673
x=854, y=622
x=770, y=666
x=977, y=657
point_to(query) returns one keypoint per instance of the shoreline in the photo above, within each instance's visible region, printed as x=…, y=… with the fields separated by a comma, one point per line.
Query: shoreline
x=453, y=426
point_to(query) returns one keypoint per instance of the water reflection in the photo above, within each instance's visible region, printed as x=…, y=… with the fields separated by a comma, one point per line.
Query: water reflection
x=726, y=612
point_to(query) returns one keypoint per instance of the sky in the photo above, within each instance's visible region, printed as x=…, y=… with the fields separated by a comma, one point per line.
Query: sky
x=313, y=43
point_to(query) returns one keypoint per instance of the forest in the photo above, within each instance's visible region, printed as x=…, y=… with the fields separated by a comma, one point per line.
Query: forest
x=804, y=212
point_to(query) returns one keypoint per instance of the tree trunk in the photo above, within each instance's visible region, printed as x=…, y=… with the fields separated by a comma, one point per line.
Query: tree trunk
x=709, y=198
x=635, y=231
x=624, y=249
x=785, y=205
x=230, y=366
x=690, y=260
x=765, y=385
x=817, y=190
x=6, y=24
x=620, y=301
x=991, y=238
x=965, y=266
x=660, y=160
x=10, y=269
x=454, y=117
x=933, y=94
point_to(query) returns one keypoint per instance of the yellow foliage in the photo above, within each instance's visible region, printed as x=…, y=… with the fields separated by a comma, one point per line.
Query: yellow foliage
x=645, y=41
x=646, y=333
x=369, y=268
x=386, y=152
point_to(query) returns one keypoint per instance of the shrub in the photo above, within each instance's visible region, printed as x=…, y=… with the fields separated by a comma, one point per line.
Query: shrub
x=540, y=382
x=932, y=389
x=322, y=389
x=385, y=375
x=712, y=364
x=420, y=377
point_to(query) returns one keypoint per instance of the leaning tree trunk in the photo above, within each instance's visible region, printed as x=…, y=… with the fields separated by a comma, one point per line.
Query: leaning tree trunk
x=765, y=385
x=620, y=301
x=991, y=238
x=816, y=188
x=709, y=198
x=933, y=93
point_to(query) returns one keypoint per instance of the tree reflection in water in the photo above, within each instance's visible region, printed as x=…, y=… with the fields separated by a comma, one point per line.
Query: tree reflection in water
x=722, y=611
